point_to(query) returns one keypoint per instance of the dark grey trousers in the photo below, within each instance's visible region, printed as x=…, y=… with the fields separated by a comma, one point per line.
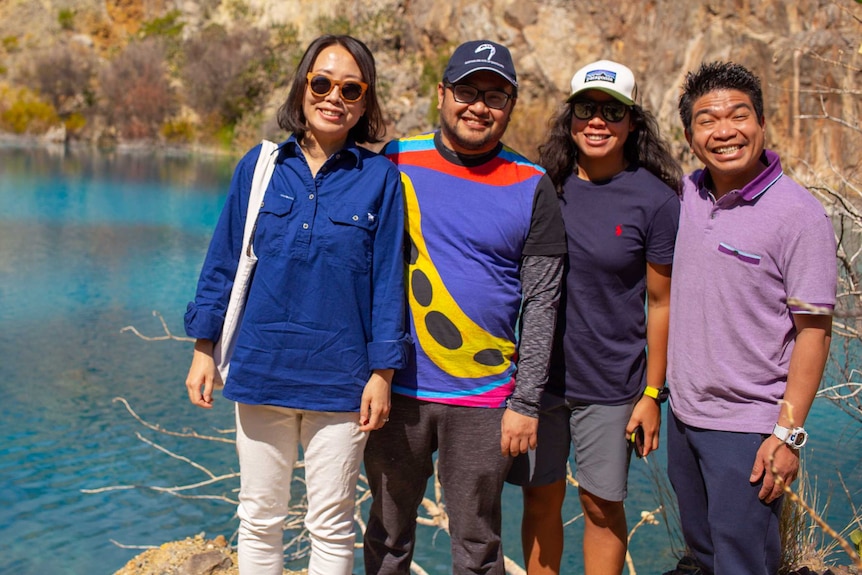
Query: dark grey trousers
x=471, y=468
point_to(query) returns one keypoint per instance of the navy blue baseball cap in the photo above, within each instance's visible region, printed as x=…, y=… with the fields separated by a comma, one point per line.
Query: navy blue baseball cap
x=478, y=55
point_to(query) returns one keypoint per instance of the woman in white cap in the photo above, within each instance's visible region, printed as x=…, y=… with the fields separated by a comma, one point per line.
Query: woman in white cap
x=617, y=185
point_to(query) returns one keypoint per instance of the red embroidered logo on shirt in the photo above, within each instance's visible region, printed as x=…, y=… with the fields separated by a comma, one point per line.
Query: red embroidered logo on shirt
x=619, y=230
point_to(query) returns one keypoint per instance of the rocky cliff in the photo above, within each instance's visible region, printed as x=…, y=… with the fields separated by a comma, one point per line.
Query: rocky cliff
x=807, y=52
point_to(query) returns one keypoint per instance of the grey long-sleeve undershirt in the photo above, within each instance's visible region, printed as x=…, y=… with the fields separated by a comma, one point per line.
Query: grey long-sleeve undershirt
x=541, y=281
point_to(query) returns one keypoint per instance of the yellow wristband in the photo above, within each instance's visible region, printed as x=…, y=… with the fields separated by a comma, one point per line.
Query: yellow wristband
x=651, y=392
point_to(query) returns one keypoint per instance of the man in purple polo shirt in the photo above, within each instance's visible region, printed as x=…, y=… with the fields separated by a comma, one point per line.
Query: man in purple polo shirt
x=744, y=358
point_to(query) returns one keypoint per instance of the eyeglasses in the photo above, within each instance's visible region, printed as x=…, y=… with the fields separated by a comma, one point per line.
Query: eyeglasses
x=467, y=94
x=350, y=90
x=612, y=112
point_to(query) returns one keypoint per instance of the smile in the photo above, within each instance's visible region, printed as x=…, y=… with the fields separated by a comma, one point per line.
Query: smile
x=727, y=150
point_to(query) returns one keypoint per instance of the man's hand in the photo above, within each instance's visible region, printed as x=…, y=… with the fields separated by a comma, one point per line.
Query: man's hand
x=785, y=462
x=518, y=433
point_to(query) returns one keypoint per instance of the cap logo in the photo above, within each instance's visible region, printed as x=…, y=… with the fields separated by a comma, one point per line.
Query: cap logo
x=489, y=47
x=601, y=76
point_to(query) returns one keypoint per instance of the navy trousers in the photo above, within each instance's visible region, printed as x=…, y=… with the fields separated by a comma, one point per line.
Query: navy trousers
x=726, y=527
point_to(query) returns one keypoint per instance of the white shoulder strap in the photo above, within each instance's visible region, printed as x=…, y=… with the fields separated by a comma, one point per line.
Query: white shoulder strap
x=223, y=349
x=259, y=182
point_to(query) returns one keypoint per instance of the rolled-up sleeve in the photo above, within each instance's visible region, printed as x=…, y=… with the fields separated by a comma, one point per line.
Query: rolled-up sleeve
x=389, y=344
x=204, y=316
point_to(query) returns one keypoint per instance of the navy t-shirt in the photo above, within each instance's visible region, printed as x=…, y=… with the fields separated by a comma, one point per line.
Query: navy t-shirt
x=613, y=228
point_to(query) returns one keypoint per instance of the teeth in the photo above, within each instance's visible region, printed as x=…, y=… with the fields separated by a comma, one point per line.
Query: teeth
x=329, y=113
x=727, y=149
x=596, y=137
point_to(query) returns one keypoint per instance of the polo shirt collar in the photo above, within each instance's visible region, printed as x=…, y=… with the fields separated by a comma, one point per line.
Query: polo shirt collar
x=756, y=187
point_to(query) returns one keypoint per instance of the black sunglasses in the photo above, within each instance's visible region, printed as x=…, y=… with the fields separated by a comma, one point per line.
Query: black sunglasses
x=350, y=90
x=467, y=94
x=612, y=112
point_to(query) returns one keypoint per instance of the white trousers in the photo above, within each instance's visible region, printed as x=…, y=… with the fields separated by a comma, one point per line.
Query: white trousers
x=267, y=441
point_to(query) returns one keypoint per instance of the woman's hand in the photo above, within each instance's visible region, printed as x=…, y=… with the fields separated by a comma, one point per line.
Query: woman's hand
x=202, y=372
x=374, y=409
x=647, y=414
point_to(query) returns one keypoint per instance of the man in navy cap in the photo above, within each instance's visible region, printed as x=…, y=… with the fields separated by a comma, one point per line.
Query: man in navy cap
x=484, y=265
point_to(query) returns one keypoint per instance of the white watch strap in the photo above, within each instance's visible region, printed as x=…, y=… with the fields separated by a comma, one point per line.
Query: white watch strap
x=781, y=432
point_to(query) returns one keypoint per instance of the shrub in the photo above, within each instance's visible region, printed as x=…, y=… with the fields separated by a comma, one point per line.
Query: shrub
x=167, y=26
x=75, y=124
x=24, y=113
x=10, y=44
x=168, y=29
x=66, y=18
x=228, y=74
x=178, y=131
x=136, y=91
x=64, y=75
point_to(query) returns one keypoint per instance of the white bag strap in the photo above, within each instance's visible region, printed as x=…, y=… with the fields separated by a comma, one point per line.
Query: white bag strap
x=259, y=182
x=223, y=349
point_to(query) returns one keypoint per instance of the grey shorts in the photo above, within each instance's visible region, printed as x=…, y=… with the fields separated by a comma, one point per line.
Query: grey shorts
x=601, y=451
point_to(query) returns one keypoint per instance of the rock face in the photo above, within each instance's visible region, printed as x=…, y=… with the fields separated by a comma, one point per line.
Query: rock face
x=806, y=51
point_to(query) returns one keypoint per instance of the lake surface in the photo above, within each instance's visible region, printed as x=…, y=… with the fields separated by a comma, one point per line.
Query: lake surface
x=92, y=243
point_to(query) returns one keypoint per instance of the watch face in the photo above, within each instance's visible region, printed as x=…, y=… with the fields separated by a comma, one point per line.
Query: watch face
x=798, y=438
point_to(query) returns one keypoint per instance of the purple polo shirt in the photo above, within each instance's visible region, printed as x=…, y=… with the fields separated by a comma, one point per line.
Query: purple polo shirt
x=736, y=263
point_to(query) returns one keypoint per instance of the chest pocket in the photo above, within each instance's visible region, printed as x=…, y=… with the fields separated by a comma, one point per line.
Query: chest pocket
x=272, y=223
x=350, y=236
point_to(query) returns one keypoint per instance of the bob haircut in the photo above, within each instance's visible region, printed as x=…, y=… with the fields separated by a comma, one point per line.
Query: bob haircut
x=370, y=127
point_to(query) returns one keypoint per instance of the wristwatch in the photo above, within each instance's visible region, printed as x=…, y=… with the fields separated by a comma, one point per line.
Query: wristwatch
x=795, y=437
x=660, y=395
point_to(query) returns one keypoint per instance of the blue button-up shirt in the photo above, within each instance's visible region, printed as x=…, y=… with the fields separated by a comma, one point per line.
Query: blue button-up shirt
x=326, y=303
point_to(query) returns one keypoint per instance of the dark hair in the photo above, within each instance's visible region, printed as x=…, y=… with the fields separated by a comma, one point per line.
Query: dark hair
x=644, y=146
x=719, y=76
x=370, y=127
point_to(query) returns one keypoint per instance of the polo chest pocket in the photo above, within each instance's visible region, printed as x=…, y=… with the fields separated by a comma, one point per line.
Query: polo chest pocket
x=272, y=223
x=745, y=257
x=350, y=237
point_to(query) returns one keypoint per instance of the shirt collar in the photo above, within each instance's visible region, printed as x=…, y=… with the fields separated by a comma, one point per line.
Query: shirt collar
x=290, y=147
x=467, y=161
x=756, y=187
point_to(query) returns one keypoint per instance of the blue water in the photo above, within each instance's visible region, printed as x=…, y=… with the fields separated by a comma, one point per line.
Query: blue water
x=92, y=243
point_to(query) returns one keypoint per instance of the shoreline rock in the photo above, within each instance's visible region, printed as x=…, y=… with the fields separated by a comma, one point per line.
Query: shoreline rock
x=191, y=556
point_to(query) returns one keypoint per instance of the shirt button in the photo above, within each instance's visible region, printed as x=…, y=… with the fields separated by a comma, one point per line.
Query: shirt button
x=305, y=226
x=310, y=196
x=355, y=218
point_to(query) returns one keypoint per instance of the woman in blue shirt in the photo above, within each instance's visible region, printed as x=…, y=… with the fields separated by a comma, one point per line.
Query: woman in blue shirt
x=323, y=327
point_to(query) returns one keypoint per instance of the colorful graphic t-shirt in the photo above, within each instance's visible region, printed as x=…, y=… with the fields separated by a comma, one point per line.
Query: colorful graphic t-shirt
x=469, y=226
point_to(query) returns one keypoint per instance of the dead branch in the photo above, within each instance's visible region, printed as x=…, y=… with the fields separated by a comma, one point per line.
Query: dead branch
x=809, y=510
x=158, y=428
x=168, y=335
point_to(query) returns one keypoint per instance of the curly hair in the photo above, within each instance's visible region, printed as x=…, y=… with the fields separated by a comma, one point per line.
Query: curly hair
x=370, y=128
x=644, y=146
x=714, y=76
